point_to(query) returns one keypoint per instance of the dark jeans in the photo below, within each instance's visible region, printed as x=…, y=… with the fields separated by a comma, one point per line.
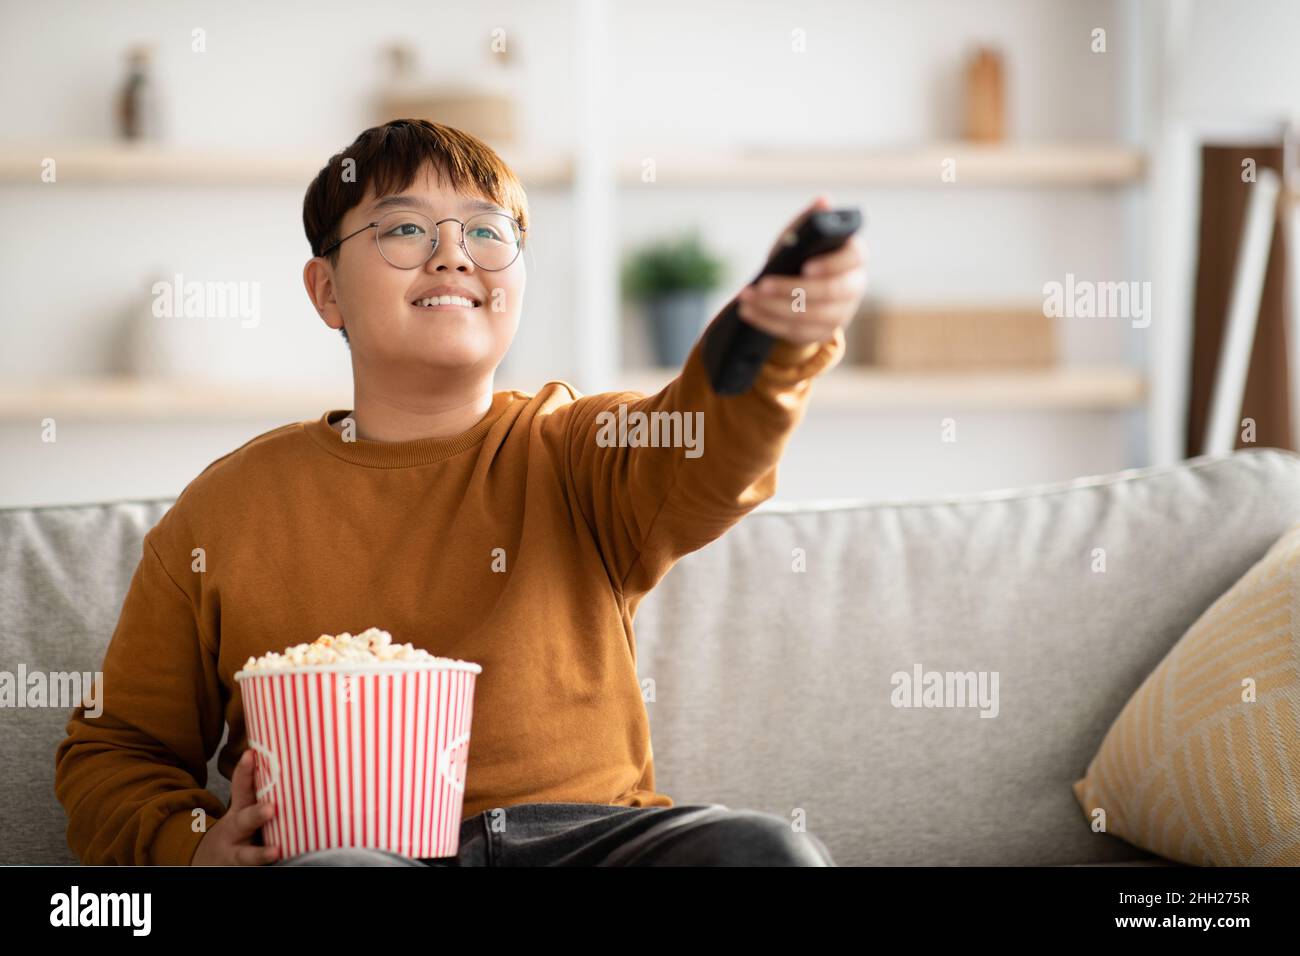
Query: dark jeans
x=594, y=834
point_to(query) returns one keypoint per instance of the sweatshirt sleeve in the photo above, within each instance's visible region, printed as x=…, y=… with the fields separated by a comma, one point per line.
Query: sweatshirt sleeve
x=129, y=777
x=647, y=506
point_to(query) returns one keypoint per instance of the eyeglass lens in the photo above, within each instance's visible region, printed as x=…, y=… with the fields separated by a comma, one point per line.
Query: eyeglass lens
x=408, y=239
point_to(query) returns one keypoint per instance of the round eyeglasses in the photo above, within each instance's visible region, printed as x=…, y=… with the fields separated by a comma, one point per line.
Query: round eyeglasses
x=407, y=239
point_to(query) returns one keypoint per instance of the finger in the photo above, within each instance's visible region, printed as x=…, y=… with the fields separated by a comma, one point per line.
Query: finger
x=780, y=314
x=239, y=826
x=776, y=330
x=251, y=819
x=783, y=324
x=822, y=201
x=846, y=258
x=778, y=291
x=242, y=791
x=774, y=291
x=256, y=855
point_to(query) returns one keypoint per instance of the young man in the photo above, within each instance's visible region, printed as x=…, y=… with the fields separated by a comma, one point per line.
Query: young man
x=493, y=526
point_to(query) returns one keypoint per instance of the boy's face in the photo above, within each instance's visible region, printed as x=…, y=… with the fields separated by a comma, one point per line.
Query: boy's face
x=375, y=300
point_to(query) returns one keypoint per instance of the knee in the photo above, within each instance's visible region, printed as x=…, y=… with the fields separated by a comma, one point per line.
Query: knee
x=755, y=838
x=349, y=856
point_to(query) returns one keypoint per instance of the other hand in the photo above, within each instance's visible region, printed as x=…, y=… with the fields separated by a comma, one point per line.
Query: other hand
x=229, y=841
x=809, y=307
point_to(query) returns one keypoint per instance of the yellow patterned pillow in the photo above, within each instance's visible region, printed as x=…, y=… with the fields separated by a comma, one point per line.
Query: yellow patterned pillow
x=1203, y=764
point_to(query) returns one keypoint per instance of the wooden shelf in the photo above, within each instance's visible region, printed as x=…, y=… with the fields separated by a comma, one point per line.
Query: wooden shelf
x=1080, y=388
x=132, y=400
x=129, y=400
x=160, y=164
x=1012, y=164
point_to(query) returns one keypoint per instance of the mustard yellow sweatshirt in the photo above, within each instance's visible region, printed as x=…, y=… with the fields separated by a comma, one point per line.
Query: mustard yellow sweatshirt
x=303, y=533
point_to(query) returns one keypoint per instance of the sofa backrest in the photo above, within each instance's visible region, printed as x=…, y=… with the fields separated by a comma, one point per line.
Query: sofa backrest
x=772, y=686
x=768, y=656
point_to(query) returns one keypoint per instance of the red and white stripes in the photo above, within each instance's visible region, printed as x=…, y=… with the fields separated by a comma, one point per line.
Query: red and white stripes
x=364, y=757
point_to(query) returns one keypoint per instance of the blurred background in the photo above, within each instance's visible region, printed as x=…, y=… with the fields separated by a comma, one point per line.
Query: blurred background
x=1079, y=215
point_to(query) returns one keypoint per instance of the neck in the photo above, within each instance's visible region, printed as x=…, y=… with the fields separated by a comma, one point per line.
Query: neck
x=391, y=417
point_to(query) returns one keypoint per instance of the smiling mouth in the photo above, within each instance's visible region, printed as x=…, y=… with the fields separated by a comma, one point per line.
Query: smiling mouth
x=446, y=302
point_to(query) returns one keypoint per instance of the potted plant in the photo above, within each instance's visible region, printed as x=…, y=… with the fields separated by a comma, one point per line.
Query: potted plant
x=673, y=278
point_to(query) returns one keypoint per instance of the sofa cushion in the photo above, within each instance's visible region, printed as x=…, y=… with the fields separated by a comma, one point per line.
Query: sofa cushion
x=1203, y=763
x=773, y=687
x=64, y=572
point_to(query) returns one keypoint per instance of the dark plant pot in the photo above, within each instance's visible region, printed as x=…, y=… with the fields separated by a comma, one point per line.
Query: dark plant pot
x=676, y=321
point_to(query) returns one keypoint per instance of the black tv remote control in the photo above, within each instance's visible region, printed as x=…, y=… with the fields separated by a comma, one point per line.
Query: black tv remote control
x=734, y=350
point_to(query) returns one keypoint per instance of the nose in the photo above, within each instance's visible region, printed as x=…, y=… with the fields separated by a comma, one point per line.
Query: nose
x=448, y=249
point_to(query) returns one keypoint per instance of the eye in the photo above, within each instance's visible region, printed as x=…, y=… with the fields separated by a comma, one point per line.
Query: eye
x=406, y=230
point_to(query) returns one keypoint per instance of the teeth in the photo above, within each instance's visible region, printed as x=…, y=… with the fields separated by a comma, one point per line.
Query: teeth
x=446, y=300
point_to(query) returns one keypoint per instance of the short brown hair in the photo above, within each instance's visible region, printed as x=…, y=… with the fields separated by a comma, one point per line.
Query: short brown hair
x=389, y=157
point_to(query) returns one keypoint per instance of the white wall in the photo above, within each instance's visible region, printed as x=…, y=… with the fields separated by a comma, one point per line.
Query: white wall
x=294, y=75
x=75, y=263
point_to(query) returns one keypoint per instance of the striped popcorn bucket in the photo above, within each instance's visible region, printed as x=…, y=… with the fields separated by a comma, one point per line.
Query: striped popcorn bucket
x=367, y=755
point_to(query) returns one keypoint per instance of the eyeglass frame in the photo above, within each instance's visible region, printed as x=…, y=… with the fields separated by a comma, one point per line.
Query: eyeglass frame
x=437, y=238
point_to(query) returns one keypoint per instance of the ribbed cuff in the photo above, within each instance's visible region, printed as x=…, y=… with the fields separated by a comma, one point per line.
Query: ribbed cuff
x=789, y=362
x=791, y=353
x=174, y=842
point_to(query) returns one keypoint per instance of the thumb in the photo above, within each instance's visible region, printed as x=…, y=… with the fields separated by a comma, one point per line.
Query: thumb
x=820, y=203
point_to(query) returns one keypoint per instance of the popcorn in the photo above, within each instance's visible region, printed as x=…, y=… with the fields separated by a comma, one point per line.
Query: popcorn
x=309, y=797
x=371, y=646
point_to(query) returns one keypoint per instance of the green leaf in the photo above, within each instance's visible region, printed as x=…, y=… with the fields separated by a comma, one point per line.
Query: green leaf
x=671, y=265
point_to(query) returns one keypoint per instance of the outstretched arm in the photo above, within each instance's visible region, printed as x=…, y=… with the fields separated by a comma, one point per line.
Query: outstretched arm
x=701, y=461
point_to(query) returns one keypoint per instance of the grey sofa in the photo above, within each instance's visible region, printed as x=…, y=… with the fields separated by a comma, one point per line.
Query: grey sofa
x=769, y=654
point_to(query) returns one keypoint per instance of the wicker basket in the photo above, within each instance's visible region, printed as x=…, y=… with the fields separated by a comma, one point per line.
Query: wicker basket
x=489, y=116
x=956, y=337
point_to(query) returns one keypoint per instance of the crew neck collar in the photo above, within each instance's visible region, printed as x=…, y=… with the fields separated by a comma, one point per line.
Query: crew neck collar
x=402, y=454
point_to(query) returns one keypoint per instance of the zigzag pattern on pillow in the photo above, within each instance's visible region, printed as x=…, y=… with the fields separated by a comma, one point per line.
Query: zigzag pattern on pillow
x=1194, y=770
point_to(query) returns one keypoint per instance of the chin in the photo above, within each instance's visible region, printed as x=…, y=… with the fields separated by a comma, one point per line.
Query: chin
x=454, y=357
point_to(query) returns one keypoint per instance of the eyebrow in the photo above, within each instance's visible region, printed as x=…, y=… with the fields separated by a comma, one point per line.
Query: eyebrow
x=468, y=205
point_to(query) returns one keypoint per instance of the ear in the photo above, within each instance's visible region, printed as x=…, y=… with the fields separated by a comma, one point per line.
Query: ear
x=318, y=278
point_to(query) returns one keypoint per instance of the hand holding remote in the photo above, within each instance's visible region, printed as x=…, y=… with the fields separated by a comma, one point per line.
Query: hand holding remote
x=738, y=342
